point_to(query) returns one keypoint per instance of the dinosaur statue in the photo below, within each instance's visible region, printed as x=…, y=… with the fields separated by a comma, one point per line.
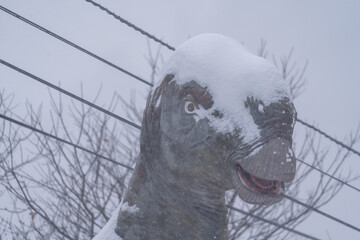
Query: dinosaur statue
x=220, y=119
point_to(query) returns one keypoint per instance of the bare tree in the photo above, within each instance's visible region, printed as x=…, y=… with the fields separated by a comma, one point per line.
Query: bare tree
x=60, y=192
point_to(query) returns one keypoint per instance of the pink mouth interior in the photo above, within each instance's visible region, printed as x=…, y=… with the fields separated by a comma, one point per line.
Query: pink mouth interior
x=258, y=184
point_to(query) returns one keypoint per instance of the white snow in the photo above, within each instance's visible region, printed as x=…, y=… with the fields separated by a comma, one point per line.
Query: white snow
x=231, y=74
x=289, y=156
x=108, y=231
x=158, y=102
x=130, y=209
x=261, y=108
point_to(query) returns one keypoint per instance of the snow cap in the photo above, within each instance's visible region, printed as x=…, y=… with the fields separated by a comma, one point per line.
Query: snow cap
x=231, y=74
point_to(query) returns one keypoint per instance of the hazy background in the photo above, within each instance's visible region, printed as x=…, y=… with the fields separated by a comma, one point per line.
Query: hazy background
x=327, y=33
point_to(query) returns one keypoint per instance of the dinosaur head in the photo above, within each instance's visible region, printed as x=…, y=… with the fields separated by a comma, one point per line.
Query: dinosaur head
x=221, y=118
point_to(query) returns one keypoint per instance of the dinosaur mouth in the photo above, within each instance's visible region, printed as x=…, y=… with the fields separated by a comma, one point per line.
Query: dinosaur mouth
x=258, y=184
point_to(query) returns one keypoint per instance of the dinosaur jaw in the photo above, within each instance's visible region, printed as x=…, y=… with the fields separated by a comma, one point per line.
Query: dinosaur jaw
x=255, y=190
x=260, y=185
x=261, y=177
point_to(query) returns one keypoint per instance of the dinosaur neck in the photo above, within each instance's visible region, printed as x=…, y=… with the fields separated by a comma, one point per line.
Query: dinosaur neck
x=174, y=208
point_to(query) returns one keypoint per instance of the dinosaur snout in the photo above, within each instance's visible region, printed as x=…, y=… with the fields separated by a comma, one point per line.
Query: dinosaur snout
x=274, y=160
x=275, y=119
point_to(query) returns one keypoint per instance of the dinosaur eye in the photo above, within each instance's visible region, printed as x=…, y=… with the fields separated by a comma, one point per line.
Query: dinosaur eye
x=190, y=107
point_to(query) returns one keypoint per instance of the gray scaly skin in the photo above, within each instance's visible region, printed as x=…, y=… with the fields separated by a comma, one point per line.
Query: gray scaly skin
x=184, y=167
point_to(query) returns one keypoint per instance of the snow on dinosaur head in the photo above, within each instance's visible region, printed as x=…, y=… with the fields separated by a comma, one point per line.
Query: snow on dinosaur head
x=231, y=74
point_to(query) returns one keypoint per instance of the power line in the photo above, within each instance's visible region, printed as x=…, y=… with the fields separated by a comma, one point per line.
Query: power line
x=74, y=45
x=322, y=213
x=329, y=175
x=136, y=28
x=271, y=222
x=63, y=140
x=164, y=44
x=137, y=126
x=69, y=94
x=328, y=137
x=138, y=78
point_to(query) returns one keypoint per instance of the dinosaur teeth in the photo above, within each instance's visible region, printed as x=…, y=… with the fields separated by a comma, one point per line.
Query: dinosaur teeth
x=259, y=184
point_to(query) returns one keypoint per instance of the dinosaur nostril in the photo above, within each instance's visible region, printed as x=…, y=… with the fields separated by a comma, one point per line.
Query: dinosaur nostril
x=217, y=114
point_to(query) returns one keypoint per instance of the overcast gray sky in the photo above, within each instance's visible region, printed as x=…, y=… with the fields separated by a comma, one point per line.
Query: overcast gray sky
x=327, y=33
